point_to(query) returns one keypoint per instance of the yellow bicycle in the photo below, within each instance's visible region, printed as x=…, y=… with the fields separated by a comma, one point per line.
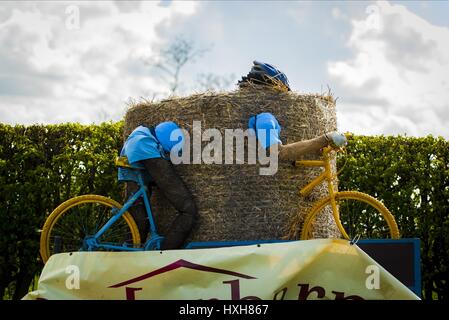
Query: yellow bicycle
x=357, y=215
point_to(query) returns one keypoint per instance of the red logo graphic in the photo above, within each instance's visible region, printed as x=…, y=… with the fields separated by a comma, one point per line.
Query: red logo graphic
x=180, y=264
x=235, y=286
x=306, y=290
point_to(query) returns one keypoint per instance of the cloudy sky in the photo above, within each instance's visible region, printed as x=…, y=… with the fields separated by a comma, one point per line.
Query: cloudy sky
x=387, y=62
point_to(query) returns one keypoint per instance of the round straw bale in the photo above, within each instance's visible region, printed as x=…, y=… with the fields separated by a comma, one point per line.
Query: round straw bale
x=234, y=201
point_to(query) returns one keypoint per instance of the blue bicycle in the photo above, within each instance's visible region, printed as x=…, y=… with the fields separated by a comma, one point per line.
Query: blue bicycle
x=97, y=223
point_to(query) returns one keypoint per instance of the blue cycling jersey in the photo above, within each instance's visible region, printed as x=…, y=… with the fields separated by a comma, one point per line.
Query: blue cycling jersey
x=266, y=125
x=141, y=145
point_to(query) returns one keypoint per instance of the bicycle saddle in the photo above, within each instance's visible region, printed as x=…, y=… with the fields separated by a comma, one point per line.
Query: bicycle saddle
x=122, y=162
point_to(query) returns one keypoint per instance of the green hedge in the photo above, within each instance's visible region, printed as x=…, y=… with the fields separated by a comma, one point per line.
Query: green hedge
x=41, y=166
x=411, y=176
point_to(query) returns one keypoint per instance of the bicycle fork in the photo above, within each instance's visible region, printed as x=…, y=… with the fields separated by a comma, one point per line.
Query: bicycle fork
x=325, y=175
x=332, y=193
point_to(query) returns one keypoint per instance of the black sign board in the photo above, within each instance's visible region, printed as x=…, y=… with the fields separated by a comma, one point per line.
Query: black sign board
x=400, y=257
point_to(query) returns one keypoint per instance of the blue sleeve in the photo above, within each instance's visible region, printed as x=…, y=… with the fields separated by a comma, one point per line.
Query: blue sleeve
x=141, y=145
x=142, y=148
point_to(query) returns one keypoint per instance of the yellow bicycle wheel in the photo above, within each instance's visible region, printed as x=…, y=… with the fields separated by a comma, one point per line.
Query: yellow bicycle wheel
x=73, y=220
x=360, y=215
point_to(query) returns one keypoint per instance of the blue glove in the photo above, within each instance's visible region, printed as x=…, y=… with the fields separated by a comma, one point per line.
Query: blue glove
x=268, y=124
x=336, y=139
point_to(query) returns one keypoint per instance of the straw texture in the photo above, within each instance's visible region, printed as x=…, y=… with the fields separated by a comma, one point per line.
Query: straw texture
x=235, y=202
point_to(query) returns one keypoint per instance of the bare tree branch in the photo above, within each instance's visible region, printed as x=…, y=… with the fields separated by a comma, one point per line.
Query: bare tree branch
x=171, y=60
x=210, y=81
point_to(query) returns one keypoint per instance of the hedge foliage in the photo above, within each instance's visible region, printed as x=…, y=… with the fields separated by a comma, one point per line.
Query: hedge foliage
x=411, y=176
x=41, y=166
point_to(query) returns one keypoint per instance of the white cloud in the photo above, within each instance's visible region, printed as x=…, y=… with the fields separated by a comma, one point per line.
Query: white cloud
x=394, y=82
x=53, y=74
x=397, y=80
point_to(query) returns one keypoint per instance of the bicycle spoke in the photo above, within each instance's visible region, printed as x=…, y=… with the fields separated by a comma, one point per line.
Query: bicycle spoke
x=361, y=219
x=361, y=216
x=86, y=219
x=101, y=221
x=65, y=229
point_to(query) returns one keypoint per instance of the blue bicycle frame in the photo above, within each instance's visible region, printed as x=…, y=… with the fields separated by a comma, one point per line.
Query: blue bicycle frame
x=153, y=243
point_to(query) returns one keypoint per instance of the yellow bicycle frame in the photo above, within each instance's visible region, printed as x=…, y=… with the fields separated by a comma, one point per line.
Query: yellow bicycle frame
x=325, y=175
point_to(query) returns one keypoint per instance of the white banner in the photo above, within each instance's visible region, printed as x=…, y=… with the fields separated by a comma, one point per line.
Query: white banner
x=300, y=270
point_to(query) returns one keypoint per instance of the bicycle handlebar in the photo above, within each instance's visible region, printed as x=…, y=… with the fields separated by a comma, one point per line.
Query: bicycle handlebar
x=329, y=149
x=325, y=153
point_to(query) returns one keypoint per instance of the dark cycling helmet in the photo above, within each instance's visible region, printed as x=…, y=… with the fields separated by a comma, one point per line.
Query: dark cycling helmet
x=264, y=73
